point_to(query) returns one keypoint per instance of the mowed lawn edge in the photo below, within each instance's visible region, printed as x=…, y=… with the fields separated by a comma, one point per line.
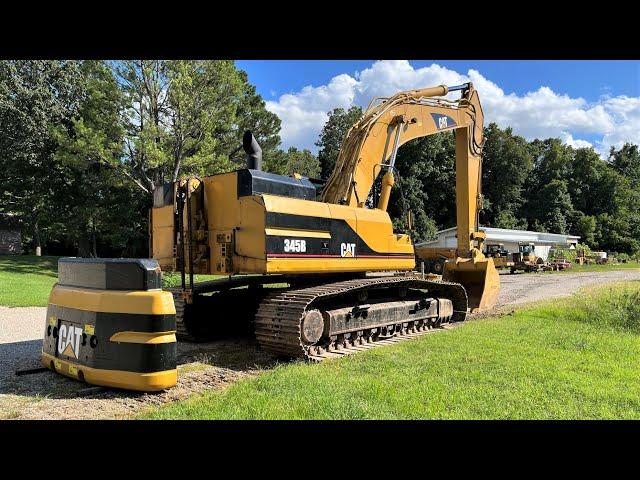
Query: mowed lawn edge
x=573, y=359
x=26, y=280
x=607, y=267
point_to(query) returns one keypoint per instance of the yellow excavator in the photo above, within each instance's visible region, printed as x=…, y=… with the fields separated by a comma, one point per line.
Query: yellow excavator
x=315, y=275
x=310, y=277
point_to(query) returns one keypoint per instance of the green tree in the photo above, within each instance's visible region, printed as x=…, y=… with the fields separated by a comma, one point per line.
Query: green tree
x=506, y=166
x=552, y=161
x=144, y=84
x=613, y=233
x=585, y=180
x=509, y=219
x=548, y=202
x=551, y=205
x=86, y=152
x=253, y=115
x=202, y=101
x=35, y=95
x=626, y=161
x=426, y=180
x=188, y=117
x=332, y=135
x=584, y=226
x=292, y=161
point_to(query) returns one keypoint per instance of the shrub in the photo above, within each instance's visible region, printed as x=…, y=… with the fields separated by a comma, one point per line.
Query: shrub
x=623, y=257
x=616, y=306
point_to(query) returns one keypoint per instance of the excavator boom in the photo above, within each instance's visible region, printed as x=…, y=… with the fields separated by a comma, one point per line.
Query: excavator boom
x=371, y=145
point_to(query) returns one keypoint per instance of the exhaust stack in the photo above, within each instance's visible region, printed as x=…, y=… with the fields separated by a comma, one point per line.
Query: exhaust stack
x=253, y=151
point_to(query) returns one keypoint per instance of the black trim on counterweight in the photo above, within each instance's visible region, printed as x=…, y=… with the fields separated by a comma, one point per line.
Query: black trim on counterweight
x=256, y=182
x=110, y=273
x=108, y=355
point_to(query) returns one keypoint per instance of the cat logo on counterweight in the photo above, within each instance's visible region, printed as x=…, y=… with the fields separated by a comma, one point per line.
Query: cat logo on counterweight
x=69, y=340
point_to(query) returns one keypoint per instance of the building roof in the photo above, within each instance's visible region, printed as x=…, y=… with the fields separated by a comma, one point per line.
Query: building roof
x=509, y=235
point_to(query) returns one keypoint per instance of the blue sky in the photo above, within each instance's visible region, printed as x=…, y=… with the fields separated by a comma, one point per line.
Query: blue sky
x=582, y=102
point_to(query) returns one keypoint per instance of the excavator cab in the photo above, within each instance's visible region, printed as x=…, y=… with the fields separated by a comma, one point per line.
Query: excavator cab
x=527, y=250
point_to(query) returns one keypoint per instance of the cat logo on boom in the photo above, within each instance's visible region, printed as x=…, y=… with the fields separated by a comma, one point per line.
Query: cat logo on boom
x=443, y=121
x=347, y=249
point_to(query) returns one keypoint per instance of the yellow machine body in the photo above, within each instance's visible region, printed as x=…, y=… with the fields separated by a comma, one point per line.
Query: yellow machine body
x=266, y=233
x=499, y=254
x=371, y=146
x=252, y=222
x=109, y=322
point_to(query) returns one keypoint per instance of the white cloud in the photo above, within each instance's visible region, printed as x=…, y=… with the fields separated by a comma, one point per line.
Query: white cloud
x=625, y=112
x=388, y=77
x=303, y=114
x=567, y=138
x=542, y=113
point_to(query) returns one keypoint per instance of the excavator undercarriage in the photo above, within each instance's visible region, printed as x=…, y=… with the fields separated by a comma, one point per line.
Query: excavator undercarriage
x=315, y=321
x=296, y=317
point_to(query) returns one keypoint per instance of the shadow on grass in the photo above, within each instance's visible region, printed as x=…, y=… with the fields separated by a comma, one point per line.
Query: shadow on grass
x=29, y=264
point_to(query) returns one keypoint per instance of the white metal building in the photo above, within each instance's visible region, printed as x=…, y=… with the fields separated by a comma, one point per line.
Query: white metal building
x=510, y=239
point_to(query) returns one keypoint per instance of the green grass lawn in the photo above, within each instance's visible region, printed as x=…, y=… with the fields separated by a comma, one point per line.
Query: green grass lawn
x=578, y=359
x=172, y=279
x=27, y=280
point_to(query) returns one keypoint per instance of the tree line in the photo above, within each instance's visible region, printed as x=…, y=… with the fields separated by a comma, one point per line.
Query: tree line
x=84, y=143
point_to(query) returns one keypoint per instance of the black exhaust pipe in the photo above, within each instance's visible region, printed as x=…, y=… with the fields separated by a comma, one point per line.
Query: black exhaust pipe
x=253, y=150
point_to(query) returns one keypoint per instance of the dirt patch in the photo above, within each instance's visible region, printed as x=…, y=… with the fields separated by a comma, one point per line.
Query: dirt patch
x=45, y=395
x=523, y=288
x=203, y=366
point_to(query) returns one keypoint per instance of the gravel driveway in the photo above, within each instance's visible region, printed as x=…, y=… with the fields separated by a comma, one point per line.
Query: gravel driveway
x=201, y=367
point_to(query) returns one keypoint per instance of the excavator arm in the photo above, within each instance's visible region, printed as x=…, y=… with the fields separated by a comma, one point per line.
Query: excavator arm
x=370, y=148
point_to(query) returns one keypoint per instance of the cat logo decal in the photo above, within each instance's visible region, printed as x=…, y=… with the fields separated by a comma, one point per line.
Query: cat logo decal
x=347, y=249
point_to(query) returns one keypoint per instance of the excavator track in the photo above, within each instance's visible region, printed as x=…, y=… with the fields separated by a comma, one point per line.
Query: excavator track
x=364, y=346
x=279, y=320
x=182, y=332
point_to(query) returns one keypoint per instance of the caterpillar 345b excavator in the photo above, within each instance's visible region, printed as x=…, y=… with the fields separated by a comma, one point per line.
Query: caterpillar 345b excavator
x=313, y=275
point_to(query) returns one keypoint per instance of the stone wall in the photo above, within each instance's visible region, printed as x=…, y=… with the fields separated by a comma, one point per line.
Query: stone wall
x=10, y=242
